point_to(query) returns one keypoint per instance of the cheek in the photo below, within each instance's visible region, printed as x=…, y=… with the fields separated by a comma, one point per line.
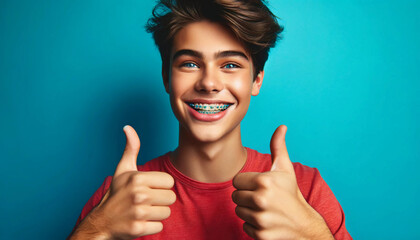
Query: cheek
x=241, y=87
x=177, y=84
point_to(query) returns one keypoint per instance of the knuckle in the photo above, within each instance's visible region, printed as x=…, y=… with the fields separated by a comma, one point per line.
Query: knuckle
x=260, y=200
x=137, y=229
x=264, y=180
x=139, y=198
x=138, y=179
x=140, y=213
x=261, y=220
x=261, y=234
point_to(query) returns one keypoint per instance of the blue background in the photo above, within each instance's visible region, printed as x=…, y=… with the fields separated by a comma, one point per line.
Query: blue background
x=345, y=80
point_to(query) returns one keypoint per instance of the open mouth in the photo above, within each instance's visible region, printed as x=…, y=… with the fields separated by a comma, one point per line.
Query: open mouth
x=205, y=108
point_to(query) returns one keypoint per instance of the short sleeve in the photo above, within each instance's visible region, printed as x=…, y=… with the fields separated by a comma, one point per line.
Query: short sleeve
x=94, y=200
x=319, y=195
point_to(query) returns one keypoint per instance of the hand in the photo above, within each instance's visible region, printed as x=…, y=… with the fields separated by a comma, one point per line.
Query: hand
x=271, y=203
x=136, y=202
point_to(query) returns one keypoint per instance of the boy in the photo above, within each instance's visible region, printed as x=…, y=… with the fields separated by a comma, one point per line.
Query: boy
x=211, y=187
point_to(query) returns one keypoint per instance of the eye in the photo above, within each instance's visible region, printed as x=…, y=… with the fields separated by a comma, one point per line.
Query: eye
x=189, y=65
x=230, y=66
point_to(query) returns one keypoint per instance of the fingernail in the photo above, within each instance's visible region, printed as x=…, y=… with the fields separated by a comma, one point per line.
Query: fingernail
x=125, y=127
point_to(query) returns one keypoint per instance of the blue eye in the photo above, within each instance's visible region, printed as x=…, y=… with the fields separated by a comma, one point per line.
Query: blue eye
x=190, y=65
x=230, y=65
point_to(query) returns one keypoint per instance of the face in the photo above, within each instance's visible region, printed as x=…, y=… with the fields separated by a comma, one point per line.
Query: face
x=210, y=82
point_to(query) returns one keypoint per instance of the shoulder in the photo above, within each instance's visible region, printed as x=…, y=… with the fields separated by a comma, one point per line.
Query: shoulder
x=319, y=195
x=307, y=178
x=311, y=184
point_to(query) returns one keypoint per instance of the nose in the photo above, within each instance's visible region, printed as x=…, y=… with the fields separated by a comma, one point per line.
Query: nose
x=209, y=82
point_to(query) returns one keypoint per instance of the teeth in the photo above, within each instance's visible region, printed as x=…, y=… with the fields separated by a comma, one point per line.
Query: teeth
x=209, y=108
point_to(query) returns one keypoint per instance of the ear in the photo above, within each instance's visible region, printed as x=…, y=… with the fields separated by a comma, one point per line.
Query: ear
x=165, y=78
x=256, y=85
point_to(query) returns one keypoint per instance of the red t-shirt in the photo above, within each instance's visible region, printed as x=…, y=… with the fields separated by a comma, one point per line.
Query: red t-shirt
x=206, y=210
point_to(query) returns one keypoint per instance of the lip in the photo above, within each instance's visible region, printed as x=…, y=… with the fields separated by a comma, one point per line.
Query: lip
x=206, y=117
x=208, y=101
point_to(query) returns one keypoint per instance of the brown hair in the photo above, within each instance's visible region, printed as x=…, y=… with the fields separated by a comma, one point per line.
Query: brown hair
x=249, y=20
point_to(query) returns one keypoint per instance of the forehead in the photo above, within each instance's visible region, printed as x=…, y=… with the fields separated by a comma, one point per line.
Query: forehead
x=206, y=37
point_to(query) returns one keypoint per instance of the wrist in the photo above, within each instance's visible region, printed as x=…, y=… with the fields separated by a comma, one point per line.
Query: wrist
x=92, y=227
x=318, y=229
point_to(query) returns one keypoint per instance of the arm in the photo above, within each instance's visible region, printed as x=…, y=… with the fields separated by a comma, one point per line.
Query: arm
x=135, y=203
x=88, y=227
x=271, y=203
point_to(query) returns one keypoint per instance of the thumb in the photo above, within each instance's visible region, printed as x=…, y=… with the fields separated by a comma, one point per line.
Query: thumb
x=128, y=160
x=279, y=155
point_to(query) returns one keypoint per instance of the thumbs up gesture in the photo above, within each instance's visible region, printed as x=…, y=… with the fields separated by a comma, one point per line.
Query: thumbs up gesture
x=271, y=203
x=136, y=202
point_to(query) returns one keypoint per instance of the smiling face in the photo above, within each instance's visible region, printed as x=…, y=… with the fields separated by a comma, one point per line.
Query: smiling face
x=210, y=82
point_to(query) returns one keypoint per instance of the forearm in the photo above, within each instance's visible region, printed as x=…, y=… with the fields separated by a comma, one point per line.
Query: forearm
x=89, y=228
x=319, y=230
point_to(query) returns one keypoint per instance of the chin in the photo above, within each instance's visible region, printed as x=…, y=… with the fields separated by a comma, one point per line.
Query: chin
x=206, y=135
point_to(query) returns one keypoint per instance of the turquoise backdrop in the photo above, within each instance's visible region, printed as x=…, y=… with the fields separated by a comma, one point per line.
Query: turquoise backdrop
x=345, y=80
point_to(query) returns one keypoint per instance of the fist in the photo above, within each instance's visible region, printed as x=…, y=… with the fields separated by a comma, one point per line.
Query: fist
x=271, y=203
x=136, y=202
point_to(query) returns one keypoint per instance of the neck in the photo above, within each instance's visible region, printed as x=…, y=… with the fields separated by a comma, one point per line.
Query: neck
x=210, y=162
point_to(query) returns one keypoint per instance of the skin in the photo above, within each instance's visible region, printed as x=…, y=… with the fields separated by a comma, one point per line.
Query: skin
x=210, y=76
x=270, y=203
x=134, y=205
x=204, y=147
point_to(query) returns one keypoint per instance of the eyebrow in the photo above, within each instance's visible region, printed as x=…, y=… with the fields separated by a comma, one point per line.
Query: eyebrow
x=187, y=52
x=221, y=54
x=231, y=54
